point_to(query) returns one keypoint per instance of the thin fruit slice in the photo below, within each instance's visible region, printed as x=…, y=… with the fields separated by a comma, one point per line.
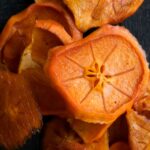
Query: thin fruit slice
x=139, y=131
x=19, y=114
x=96, y=13
x=99, y=76
x=58, y=135
x=89, y=132
x=49, y=101
x=55, y=28
x=120, y=146
x=47, y=34
x=142, y=105
x=26, y=60
x=17, y=34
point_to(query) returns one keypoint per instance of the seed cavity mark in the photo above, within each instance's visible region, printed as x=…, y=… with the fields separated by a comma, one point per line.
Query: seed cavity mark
x=122, y=73
x=74, y=61
x=122, y=92
x=73, y=78
x=88, y=93
x=103, y=98
x=92, y=51
x=109, y=54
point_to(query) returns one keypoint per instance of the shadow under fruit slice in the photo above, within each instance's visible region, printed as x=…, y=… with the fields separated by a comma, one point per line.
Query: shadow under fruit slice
x=17, y=34
x=120, y=146
x=59, y=136
x=19, y=115
x=139, y=131
x=96, y=13
x=99, y=76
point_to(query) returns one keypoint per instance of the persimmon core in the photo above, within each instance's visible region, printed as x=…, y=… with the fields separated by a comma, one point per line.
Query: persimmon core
x=95, y=73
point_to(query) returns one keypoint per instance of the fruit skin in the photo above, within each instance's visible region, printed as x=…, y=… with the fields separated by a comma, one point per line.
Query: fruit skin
x=96, y=13
x=74, y=109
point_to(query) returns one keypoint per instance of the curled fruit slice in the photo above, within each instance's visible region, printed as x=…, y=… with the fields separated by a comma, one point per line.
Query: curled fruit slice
x=99, y=76
x=17, y=34
x=96, y=13
x=19, y=115
x=139, y=131
x=142, y=105
x=58, y=135
x=49, y=101
x=48, y=34
x=89, y=132
x=120, y=146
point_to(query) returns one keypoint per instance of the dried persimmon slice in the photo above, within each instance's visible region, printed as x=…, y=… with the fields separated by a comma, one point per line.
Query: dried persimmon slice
x=58, y=135
x=19, y=114
x=142, y=105
x=139, y=131
x=120, y=146
x=49, y=101
x=17, y=34
x=47, y=34
x=96, y=13
x=89, y=132
x=101, y=75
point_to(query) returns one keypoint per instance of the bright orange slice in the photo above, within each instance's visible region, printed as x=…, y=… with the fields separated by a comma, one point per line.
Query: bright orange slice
x=101, y=75
x=19, y=114
x=120, y=146
x=58, y=135
x=139, y=131
x=17, y=34
x=96, y=13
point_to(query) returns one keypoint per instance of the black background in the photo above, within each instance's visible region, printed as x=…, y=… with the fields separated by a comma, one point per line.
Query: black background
x=139, y=25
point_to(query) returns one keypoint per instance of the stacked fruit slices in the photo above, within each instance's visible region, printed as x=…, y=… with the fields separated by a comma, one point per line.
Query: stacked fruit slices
x=86, y=83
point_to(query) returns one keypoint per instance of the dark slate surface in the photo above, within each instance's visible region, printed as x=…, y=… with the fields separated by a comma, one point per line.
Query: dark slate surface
x=139, y=25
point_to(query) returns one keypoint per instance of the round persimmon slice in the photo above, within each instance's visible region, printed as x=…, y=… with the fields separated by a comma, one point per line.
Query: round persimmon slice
x=101, y=75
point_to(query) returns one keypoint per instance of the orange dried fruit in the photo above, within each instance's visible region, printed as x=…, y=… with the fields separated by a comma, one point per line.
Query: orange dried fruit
x=49, y=101
x=142, y=105
x=139, y=131
x=99, y=76
x=120, y=146
x=96, y=13
x=58, y=135
x=17, y=33
x=48, y=34
x=89, y=132
x=20, y=116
